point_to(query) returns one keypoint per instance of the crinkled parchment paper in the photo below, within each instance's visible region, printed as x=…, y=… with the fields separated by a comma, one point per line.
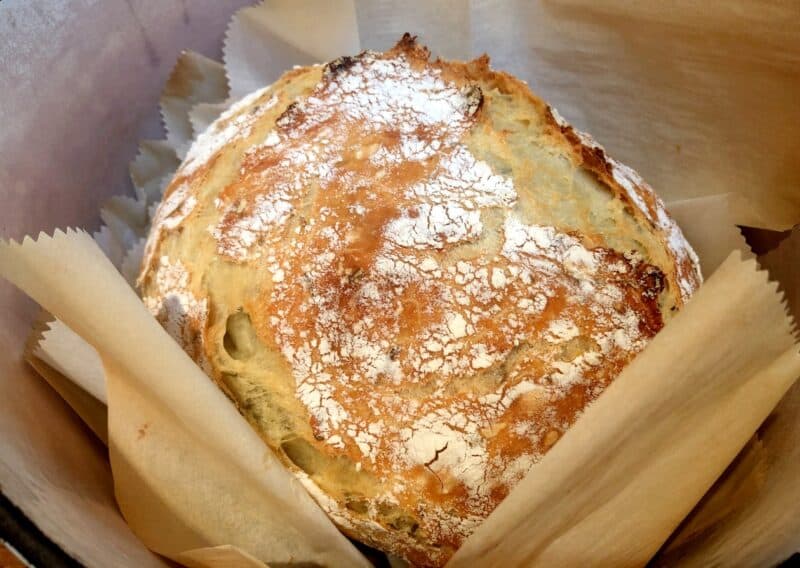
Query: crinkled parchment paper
x=661, y=88
x=79, y=87
x=756, y=500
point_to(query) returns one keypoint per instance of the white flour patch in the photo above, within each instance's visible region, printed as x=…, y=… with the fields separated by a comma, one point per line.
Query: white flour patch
x=232, y=124
x=434, y=226
x=179, y=311
x=239, y=239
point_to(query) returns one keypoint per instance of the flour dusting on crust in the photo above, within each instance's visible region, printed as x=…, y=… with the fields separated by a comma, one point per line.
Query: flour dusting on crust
x=352, y=358
x=651, y=205
x=231, y=124
x=178, y=310
x=437, y=341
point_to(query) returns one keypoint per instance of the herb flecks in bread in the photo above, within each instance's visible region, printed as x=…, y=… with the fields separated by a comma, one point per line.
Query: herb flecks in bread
x=411, y=277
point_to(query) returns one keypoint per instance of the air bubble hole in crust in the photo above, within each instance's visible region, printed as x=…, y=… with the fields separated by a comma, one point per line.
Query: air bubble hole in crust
x=240, y=338
x=357, y=503
x=302, y=454
x=393, y=516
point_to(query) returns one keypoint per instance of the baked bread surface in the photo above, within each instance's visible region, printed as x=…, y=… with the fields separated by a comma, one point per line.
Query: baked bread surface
x=411, y=276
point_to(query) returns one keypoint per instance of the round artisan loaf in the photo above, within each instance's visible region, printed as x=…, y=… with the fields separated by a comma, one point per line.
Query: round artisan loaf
x=411, y=276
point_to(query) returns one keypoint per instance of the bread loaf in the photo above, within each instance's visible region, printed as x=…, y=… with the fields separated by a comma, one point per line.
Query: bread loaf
x=410, y=276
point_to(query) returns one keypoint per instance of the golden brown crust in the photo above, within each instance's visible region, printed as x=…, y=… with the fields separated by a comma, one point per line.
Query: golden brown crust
x=401, y=274
x=643, y=202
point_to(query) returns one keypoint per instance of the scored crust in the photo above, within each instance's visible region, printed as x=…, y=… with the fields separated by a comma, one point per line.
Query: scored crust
x=411, y=276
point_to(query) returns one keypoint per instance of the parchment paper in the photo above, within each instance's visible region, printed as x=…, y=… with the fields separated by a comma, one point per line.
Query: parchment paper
x=79, y=87
x=65, y=351
x=709, y=223
x=155, y=160
x=751, y=518
x=448, y=32
x=57, y=353
x=194, y=80
x=91, y=410
x=264, y=41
